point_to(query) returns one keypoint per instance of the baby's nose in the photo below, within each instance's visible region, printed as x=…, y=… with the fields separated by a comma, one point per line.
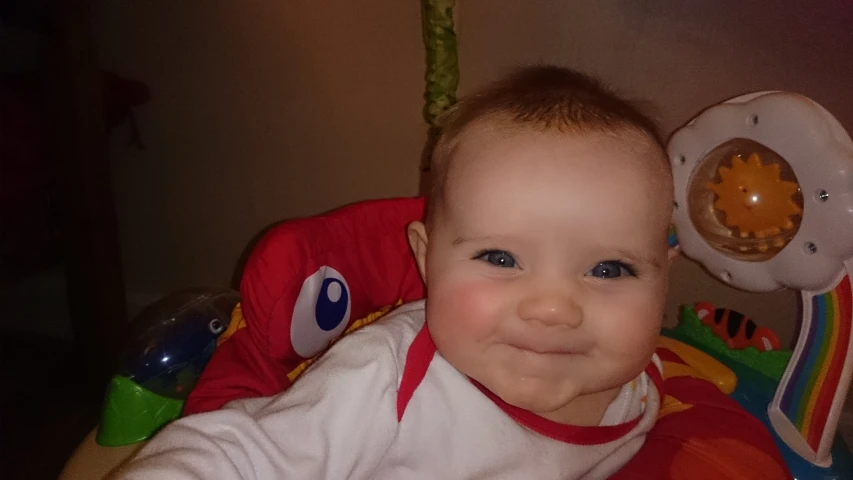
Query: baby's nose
x=551, y=310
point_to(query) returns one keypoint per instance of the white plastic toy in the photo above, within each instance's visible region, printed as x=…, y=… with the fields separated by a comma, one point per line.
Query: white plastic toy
x=764, y=200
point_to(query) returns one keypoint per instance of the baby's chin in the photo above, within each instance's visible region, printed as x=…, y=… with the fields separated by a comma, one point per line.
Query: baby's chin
x=536, y=395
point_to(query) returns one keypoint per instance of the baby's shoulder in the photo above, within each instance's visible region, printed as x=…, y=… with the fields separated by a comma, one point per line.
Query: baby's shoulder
x=389, y=336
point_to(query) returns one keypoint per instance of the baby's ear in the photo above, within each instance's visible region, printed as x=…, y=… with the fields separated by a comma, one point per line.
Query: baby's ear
x=671, y=254
x=418, y=242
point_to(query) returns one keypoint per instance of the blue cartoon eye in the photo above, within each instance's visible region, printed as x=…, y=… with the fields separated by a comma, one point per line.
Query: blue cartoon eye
x=321, y=312
x=332, y=304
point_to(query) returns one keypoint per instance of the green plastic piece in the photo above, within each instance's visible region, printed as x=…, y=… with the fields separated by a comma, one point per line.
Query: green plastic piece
x=442, y=62
x=132, y=414
x=692, y=331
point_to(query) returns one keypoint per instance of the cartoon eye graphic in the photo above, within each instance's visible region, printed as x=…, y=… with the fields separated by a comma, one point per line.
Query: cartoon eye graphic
x=321, y=312
x=216, y=327
x=332, y=304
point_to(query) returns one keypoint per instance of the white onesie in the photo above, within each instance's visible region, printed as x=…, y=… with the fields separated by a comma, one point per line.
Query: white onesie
x=381, y=404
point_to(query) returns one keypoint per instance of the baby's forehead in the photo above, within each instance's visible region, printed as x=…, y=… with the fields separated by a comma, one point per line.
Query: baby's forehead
x=506, y=145
x=493, y=165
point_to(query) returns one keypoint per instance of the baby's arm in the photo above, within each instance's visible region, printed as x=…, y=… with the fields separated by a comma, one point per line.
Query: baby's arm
x=336, y=422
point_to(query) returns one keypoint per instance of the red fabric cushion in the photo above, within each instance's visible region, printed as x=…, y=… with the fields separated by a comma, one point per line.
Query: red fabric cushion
x=365, y=242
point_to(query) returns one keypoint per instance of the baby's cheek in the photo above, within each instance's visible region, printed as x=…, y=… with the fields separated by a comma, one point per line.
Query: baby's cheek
x=474, y=307
x=633, y=330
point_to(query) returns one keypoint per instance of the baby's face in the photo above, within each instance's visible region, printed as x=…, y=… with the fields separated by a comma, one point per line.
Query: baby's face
x=547, y=266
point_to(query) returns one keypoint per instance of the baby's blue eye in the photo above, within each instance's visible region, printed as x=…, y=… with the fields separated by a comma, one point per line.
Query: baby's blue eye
x=498, y=258
x=612, y=269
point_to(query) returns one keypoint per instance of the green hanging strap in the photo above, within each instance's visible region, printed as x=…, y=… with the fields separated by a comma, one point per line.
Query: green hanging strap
x=442, y=65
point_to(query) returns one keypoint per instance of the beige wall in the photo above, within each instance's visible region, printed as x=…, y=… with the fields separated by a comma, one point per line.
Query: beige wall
x=260, y=111
x=264, y=110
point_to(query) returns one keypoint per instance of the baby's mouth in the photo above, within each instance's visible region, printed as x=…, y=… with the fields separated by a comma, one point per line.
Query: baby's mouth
x=543, y=349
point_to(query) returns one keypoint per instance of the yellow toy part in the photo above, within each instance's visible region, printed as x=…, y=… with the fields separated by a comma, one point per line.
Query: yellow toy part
x=697, y=364
x=755, y=199
x=237, y=322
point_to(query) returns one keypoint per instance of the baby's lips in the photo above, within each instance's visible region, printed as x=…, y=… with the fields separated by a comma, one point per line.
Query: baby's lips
x=546, y=347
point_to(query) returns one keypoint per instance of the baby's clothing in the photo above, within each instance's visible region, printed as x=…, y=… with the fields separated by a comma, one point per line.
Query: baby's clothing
x=382, y=404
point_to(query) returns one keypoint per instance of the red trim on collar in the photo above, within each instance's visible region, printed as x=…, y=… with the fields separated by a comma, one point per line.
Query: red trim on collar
x=574, y=434
x=420, y=355
x=657, y=378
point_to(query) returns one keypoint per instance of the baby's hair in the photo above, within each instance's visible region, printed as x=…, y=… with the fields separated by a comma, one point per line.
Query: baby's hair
x=538, y=98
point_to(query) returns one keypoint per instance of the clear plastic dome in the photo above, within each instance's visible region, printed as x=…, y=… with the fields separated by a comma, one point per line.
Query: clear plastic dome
x=173, y=338
x=745, y=200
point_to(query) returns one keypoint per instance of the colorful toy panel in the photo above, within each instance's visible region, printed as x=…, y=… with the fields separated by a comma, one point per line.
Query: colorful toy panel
x=763, y=202
x=758, y=377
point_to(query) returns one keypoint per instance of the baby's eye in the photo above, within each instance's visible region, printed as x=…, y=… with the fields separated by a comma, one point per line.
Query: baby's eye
x=498, y=258
x=612, y=269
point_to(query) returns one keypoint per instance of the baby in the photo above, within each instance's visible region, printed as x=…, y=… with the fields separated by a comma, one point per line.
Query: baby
x=545, y=257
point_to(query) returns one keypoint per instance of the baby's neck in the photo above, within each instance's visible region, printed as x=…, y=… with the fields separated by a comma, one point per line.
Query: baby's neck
x=585, y=410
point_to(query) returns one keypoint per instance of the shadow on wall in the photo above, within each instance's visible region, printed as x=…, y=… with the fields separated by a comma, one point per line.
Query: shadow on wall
x=424, y=185
x=247, y=252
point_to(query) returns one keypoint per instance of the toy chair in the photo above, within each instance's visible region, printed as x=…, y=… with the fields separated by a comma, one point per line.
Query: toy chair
x=312, y=280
